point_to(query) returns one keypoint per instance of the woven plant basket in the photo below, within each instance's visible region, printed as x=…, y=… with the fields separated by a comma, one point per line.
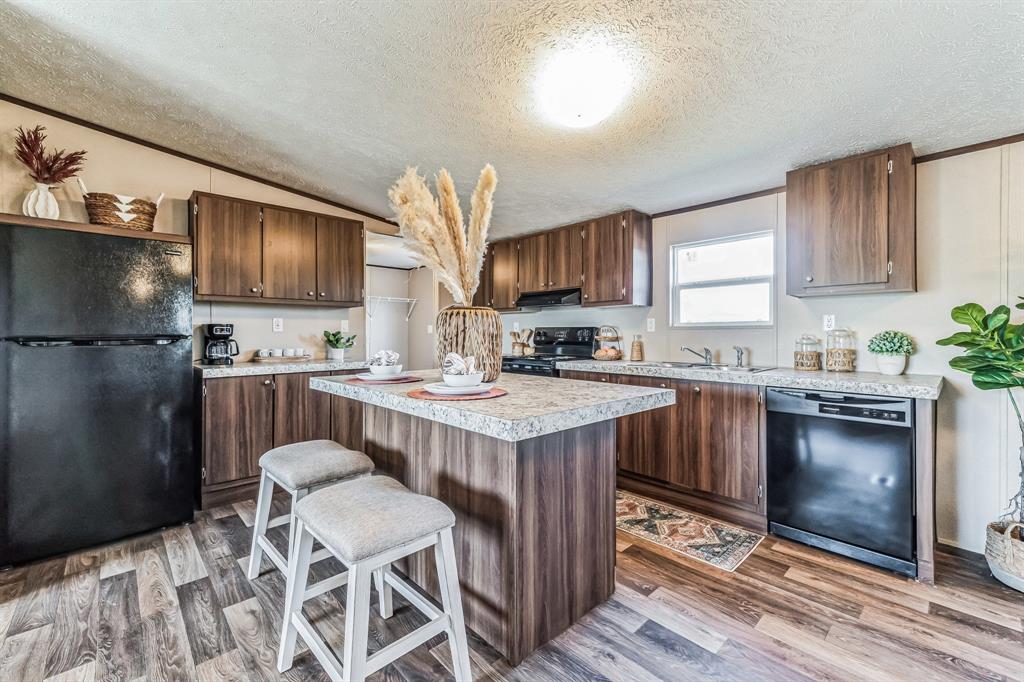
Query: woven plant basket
x=1004, y=550
x=117, y=210
x=471, y=331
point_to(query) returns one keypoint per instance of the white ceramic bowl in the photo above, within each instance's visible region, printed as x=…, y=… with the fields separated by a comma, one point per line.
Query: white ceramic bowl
x=385, y=370
x=462, y=380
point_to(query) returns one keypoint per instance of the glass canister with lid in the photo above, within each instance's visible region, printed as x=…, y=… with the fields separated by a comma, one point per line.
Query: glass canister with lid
x=840, y=351
x=807, y=356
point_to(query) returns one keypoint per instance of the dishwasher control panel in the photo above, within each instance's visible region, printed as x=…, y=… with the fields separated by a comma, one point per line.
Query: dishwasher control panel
x=862, y=412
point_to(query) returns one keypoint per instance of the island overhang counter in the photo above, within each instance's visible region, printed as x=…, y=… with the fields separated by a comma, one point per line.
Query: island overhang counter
x=531, y=479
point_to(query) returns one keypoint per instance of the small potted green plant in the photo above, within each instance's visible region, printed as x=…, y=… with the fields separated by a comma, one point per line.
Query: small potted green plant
x=891, y=349
x=337, y=344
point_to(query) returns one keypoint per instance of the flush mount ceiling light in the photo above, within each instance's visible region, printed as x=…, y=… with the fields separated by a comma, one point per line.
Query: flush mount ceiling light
x=581, y=85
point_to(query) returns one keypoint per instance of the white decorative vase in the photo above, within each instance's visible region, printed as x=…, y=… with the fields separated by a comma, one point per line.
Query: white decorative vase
x=40, y=203
x=336, y=354
x=892, y=365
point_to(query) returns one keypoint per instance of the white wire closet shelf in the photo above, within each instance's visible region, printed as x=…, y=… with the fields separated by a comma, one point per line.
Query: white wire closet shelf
x=373, y=304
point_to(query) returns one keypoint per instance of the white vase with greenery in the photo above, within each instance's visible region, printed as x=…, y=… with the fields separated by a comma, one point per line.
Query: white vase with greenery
x=891, y=349
x=337, y=343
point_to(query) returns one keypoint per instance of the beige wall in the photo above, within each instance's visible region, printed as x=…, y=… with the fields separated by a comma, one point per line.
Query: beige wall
x=970, y=227
x=122, y=167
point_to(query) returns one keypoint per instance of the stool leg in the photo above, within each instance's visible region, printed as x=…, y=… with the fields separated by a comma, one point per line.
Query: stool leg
x=451, y=598
x=296, y=496
x=384, y=591
x=259, y=527
x=299, y=555
x=357, y=623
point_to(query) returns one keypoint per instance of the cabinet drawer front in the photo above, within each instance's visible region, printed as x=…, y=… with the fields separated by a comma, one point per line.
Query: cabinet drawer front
x=289, y=255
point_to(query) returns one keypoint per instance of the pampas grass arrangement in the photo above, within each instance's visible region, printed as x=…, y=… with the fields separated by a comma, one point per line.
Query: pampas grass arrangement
x=436, y=233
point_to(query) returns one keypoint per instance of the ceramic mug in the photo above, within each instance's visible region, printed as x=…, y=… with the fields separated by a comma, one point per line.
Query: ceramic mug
x=263, y=353
x=276, y=352
x=289, y=352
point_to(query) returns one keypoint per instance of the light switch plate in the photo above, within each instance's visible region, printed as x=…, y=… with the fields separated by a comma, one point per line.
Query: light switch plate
x=650, y=324
x=344, y=326
x=278, y=324
x=515, y=326
x=828, y=322
x=430, y=329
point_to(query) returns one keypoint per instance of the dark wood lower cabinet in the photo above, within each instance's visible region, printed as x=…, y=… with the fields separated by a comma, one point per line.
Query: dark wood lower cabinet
x=705, y=452
x=243, y=417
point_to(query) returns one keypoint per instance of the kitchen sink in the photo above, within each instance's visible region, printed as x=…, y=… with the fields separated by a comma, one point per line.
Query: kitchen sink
x=715, y=367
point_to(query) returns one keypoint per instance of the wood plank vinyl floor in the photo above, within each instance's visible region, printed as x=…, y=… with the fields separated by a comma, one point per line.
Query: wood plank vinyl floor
x=175, y=605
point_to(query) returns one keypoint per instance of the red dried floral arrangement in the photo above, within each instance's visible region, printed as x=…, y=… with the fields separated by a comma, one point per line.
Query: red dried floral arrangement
x=48, y=169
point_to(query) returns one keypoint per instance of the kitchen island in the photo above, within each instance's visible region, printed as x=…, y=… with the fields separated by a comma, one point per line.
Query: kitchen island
x=531, y=479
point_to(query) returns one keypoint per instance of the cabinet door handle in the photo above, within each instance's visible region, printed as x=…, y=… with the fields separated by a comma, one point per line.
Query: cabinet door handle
x=696, y=389
x=254, y=290
x=266, y=382
x=586, y=296
x=309, y=293
x=809, y=278
x=323, y=293
x=663, y=385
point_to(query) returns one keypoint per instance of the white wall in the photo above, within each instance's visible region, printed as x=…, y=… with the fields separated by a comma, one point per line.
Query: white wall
x=970, y=230
x=422, y=340
x=387, y=329
x=119, y=166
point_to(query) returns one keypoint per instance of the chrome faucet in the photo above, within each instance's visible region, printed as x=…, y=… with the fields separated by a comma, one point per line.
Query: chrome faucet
x=739, y=356
x=706, y=355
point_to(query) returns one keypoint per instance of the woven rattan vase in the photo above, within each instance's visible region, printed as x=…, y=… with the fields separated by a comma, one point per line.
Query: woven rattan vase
x=471, y=331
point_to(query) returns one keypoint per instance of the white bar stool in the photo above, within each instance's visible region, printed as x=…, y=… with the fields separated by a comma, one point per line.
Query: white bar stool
x=367, y=524
x=298, y=468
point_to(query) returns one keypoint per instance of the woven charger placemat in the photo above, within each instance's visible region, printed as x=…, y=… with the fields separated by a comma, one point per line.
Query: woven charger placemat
x=404, y=380
x=422, y=394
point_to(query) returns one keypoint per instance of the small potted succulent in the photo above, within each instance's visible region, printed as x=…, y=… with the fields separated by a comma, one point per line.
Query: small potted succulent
x=891, y=349
x=337, y=344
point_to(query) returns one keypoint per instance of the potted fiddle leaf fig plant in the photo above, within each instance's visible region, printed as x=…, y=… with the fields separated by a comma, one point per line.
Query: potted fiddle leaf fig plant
x=994, y=357
x=337, y=344
x=891, y=349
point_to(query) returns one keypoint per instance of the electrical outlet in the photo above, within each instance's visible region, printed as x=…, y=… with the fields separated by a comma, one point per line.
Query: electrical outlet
x=515, y=326
x=828, y=322
x=650, y=324
x=278, y=324
x=430, y=329
x=344, y=326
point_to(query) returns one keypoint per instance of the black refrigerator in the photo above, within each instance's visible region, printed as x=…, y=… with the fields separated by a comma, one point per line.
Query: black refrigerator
x=96, y=383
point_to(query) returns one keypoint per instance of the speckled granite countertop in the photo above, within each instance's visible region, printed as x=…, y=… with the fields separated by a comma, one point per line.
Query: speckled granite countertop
x=245, y=369
x=923, y=386
x=534, y=406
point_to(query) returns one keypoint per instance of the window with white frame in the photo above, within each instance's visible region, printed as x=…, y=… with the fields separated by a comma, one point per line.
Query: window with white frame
x=725, y=282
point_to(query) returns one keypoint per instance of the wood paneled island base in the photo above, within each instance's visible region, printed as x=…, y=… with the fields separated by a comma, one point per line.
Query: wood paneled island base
x=535, y=536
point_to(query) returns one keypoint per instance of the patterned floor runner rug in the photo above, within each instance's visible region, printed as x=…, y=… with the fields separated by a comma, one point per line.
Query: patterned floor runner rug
x=713, y=542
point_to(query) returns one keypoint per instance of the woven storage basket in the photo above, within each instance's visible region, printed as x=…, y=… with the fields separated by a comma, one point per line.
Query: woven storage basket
x=1004, y=550
x=116, y=210
x=471, y=331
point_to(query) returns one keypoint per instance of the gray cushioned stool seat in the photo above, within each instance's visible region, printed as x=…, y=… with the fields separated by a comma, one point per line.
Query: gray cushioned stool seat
x=301, y=465
x=367, y=516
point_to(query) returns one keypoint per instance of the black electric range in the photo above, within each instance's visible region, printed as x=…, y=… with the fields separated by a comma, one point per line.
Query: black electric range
x=552, y=345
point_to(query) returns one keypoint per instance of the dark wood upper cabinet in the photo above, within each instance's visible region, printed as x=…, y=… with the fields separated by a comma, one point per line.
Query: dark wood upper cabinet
x=505, y=274
x=617, y=260
x=228, y=249
x=300, y=413
x=340, y=259
x=484, y=295
x=238, y=418
x=850, y=225
x=289, y=255
x=565, y=257
x=533, y=263
x=250, y=251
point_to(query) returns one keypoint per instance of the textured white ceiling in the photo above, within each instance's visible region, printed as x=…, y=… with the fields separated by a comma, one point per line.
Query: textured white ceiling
x=337, y=97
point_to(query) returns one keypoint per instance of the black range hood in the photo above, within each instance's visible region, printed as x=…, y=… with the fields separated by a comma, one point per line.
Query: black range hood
x=549, y=299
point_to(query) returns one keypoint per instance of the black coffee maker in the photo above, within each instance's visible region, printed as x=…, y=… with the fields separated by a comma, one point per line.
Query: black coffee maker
x=218, y=346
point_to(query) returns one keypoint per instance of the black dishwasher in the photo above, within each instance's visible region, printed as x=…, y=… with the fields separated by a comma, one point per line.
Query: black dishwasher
x=841, y=474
